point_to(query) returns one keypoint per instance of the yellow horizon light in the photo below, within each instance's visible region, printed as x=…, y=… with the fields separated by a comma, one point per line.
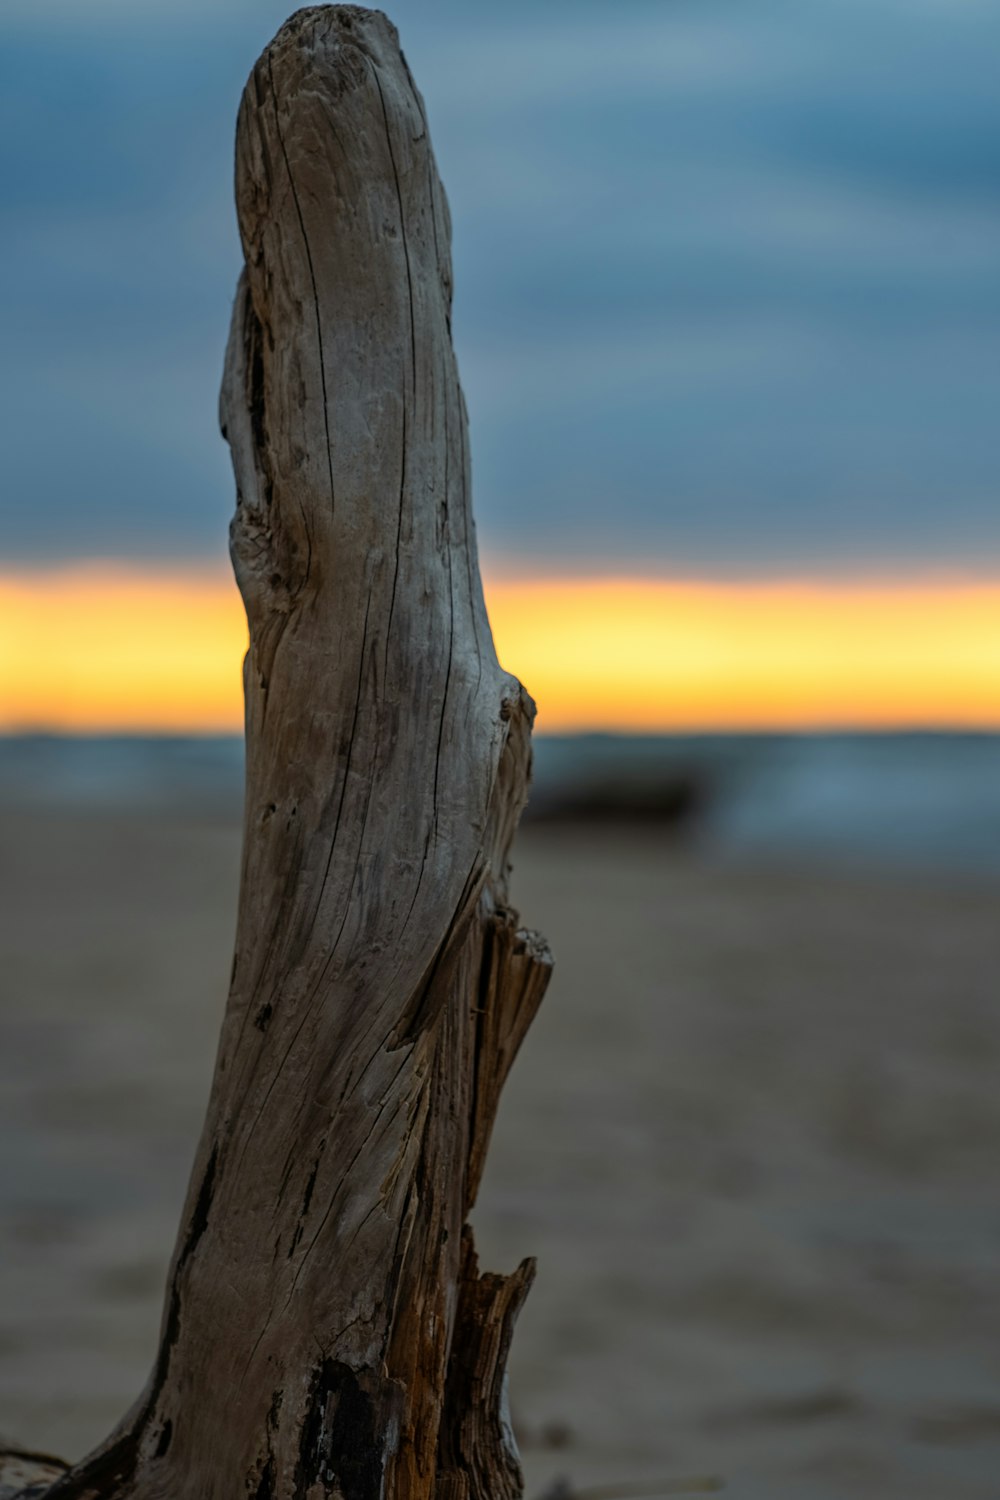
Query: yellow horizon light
x=104, y=648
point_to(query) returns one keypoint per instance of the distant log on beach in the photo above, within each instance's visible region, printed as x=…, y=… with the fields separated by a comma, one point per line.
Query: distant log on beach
x=326, y=1330
x=670, y=782
x=674, y=799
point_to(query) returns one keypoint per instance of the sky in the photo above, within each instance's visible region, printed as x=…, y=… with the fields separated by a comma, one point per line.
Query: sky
x=116, y=649
x=727, y=299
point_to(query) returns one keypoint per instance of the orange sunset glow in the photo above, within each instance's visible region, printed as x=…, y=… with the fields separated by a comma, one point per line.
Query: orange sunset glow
x=102, y=648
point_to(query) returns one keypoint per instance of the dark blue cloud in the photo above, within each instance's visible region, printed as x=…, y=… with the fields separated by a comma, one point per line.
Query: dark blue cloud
x=728, y=274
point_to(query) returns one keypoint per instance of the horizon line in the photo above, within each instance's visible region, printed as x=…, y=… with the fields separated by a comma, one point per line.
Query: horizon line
x=101, y=648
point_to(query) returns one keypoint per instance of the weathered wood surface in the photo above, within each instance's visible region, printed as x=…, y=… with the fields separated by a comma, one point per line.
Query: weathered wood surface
x=381, y=984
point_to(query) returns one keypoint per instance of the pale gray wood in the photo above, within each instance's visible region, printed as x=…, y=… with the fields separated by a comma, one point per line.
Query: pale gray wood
x=381, y=984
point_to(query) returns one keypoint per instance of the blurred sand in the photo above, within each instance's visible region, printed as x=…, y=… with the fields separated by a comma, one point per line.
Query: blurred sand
x=753, y=1138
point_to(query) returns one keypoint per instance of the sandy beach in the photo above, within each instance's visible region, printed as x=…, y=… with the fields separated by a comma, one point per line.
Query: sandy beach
x=752, y=1139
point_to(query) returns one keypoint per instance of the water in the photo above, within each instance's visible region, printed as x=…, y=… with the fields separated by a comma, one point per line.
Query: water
x=914, y=800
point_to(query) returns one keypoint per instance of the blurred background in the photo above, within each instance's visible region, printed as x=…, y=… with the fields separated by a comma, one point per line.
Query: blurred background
x=728, y=317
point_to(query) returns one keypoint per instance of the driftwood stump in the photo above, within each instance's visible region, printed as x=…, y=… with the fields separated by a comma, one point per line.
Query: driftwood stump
x=326, y=1331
